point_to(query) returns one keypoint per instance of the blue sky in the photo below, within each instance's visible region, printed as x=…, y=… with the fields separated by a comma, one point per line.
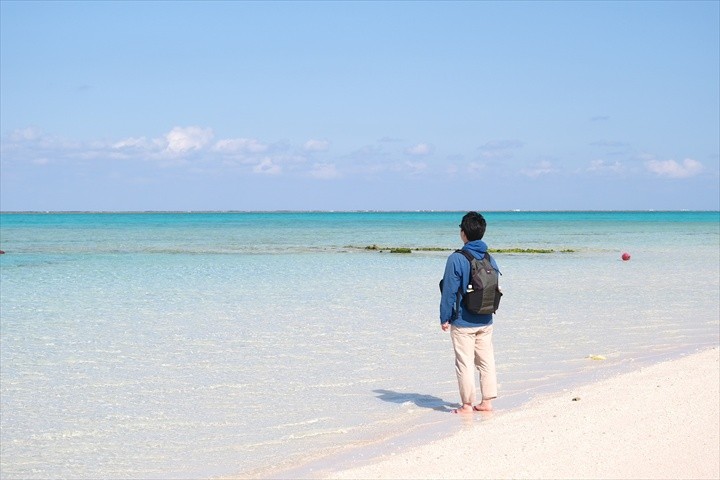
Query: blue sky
x=359, y=105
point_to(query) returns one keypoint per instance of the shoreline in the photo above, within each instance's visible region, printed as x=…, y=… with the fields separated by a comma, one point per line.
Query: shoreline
x=359, y=454
x=660, y=421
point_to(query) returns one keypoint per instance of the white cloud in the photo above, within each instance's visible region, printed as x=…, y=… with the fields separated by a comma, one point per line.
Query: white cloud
x=603, y=166
x=185, y=139
x=324, y=171
x=240, y=145
x=610, y=144
x=138, y=143
x=414, y=168
x=419, y=149
x=475, y=167
x=501, y=145
x=499, y=149
x=452, y=169
x=542, y=168
x=25, y=135
x=266, y=166
x=34, y=139
x=316, y=145
x=673, y=169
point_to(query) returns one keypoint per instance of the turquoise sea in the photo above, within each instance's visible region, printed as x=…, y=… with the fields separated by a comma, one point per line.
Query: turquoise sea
x=196, y=345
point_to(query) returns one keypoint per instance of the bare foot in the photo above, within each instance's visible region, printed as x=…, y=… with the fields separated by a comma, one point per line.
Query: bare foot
x=484, y=406
x=466, y=408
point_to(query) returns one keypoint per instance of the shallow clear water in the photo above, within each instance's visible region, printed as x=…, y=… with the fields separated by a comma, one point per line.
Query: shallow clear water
x=193, y=345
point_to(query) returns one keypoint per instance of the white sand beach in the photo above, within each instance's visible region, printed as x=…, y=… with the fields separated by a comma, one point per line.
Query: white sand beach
x=660, y=422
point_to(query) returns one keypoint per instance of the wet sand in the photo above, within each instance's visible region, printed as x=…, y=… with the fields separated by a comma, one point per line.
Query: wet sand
x=660, y=422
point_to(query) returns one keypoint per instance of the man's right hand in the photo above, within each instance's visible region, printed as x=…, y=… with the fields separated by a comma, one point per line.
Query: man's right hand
x=445, y=326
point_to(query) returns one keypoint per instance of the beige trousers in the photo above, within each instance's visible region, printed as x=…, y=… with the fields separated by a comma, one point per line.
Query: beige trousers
x=474, y=349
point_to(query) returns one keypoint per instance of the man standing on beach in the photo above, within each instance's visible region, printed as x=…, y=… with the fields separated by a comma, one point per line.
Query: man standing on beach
x=471, y=333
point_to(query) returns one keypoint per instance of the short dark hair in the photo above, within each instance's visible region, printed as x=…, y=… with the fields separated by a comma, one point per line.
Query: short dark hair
x=473, y=224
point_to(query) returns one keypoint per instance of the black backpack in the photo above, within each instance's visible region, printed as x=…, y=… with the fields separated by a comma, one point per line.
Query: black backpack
x=483, y=293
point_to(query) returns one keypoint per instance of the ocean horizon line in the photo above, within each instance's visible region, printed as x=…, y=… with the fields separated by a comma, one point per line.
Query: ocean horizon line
x=46, y=212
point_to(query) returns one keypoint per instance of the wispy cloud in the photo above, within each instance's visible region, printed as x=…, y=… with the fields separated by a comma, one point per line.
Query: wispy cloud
x=609, y=144
x=672, y=169
x=267, y=167
x=415, y=168
x=419, y=150
x=502, y=145
x=195, y=147
x=316, y=145
x=476, y=167
x=134, y=144
x=324, y=171
x=369, y=160
x=25, y=135
x=542, y=168
x=34, y=146
x=499, y=149
x=601, y=166
x=240, y=145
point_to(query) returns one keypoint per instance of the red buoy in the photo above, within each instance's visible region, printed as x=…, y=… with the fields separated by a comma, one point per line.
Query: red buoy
x=625, y=257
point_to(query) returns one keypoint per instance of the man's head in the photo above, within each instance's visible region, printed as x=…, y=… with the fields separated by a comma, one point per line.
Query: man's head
x=473, y=224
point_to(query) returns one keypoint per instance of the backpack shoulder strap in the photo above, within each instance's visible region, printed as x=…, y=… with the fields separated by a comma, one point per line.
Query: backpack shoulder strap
x=461, y=289
x=467, y=255
x=485, y=258
x=489, y=259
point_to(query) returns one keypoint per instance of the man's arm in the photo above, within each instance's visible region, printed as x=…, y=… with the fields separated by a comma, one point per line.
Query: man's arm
x=451, y=283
